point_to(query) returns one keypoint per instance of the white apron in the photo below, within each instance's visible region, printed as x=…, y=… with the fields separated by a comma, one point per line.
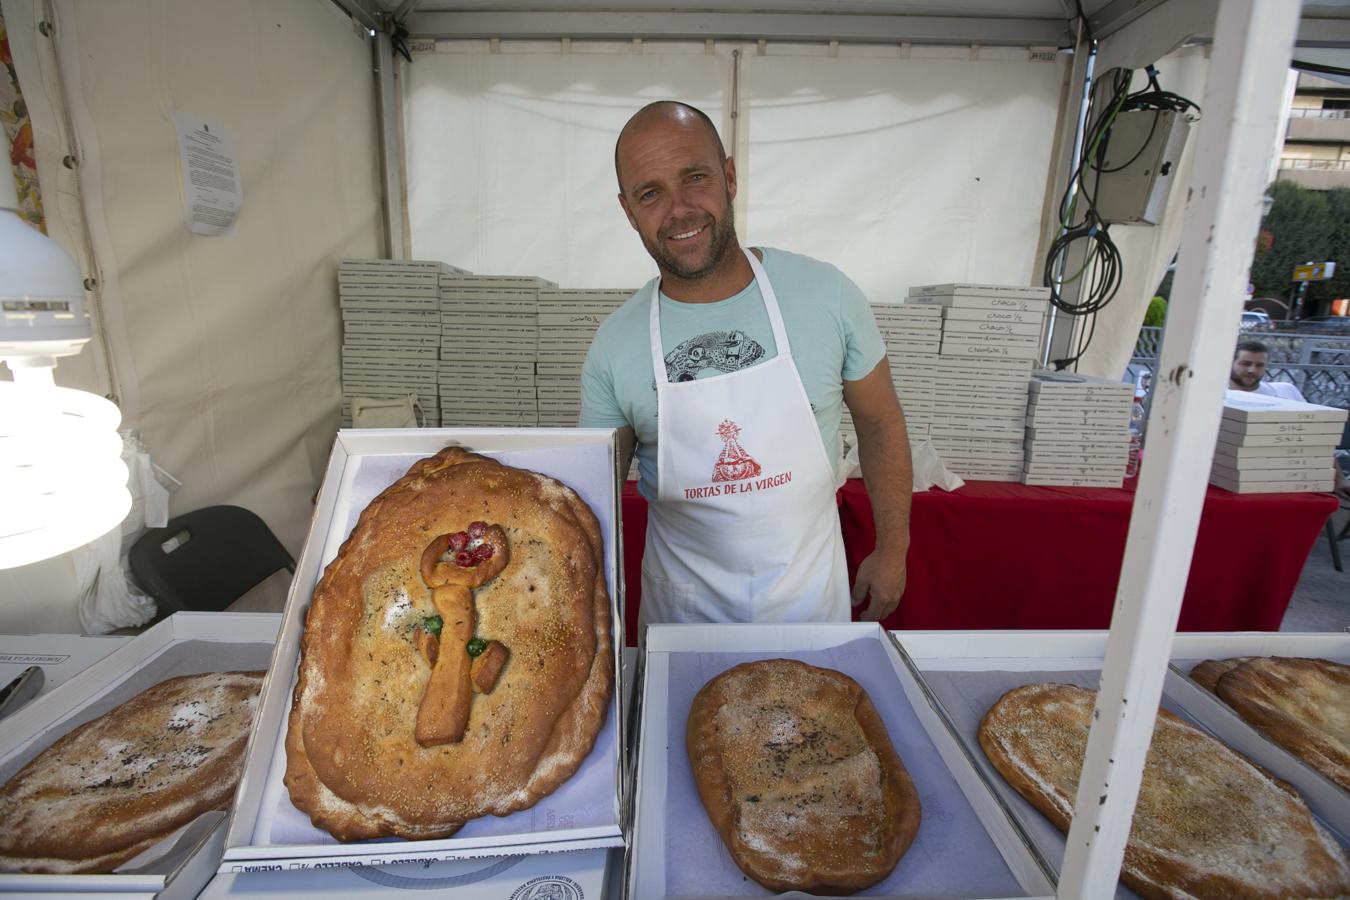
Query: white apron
x=745, y=527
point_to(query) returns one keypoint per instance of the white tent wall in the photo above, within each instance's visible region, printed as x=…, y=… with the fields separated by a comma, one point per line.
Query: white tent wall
x=225, y=348
x=510, y=152
x=900, y=165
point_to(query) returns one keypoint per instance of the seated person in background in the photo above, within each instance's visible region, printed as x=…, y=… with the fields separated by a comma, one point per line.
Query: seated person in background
x=1247, y=374
x=1249, y=370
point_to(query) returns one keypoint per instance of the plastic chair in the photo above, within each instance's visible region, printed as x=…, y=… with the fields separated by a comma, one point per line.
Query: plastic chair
x=206, y=559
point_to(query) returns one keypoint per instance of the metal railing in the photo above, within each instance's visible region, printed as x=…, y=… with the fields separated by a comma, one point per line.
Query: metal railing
x=1318, y=365
x=1297, y=162
x=1299, y=112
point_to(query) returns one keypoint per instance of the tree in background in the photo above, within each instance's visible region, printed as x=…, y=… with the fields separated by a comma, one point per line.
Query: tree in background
x=1304, y=225
x=1156, y=315
x=1321, y=293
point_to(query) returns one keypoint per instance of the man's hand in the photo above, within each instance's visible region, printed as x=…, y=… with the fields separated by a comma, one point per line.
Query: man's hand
x=883, y=576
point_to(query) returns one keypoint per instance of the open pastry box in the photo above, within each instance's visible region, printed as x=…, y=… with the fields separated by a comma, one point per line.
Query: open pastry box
x=266, y=832
x=186, y=643
x=966, y=846
x=966, y=672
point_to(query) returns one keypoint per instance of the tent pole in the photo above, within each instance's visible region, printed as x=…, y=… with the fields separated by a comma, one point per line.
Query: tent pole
x=1243, y=95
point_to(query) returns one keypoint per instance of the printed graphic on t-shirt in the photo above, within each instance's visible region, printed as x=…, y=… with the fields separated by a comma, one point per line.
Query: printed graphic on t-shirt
x=733, y=463
x=726, y=351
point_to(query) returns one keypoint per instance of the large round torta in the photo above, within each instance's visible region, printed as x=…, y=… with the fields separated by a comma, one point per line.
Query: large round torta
x=116, y=785
x=353, y=761
x=1208, y=823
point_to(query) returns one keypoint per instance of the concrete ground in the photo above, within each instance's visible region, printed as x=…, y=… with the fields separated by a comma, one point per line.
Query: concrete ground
x=1321, y=600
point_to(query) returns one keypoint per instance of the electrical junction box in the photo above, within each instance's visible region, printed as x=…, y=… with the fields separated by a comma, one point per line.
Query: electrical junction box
x=1142, y=154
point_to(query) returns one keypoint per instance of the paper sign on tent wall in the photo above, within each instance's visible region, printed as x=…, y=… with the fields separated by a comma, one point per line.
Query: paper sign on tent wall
x=212, y=189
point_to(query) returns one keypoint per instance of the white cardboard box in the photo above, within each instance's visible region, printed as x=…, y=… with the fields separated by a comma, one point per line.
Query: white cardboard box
x=61, y=656
x=966, y=845
x=362, y=463
x=580, y=875
x=186, y=643
x=967, y=671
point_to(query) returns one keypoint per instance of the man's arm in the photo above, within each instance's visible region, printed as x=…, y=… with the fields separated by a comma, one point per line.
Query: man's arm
x=883, y=452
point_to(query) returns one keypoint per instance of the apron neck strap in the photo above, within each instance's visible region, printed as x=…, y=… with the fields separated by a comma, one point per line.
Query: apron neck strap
x=766, y=291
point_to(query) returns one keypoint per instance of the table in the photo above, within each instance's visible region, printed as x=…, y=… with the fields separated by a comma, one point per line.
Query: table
x=993, y=555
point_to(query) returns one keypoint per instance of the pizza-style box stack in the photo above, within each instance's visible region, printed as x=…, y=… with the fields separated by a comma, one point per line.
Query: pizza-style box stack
x=991, y=337
x=391, y=330
x=489, y=336
x=1272, y=445
x=568, y=319
x=913, y=335
x=1078, y=430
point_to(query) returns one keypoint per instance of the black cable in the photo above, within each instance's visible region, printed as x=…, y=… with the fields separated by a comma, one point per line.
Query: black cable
x=1102, y=266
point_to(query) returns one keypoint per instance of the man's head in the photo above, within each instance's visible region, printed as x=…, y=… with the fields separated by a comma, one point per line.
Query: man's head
x=676, y=185
x=1249, y=366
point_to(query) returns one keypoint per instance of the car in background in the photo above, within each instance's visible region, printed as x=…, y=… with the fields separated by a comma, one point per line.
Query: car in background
x=1338, y=325
x=1256, y=320
x=1332, y=326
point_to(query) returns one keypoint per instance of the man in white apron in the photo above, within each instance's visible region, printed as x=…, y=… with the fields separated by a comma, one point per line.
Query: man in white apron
x=729, y=381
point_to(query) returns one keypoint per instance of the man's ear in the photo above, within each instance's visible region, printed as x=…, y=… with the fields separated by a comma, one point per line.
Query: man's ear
x=623, y=201
x=729, y=170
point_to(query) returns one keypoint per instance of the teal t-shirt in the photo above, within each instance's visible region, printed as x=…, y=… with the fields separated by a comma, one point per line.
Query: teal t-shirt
x=829, y=325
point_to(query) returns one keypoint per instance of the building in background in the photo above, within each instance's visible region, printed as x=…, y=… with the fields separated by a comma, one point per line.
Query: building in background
x=1316, y=150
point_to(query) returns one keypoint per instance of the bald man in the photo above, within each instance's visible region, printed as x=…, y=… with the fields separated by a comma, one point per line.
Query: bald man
x=728, y=373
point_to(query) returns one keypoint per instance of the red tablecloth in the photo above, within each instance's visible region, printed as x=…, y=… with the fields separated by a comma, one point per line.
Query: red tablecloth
x=994, y=555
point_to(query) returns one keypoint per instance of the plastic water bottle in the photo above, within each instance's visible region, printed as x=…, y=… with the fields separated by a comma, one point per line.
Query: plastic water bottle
x=1136, y=438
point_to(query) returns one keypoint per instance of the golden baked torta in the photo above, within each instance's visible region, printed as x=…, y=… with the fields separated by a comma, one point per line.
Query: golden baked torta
x=1208, y=823
x=797, y=773
x=457, y=658
x=1301, y=704
x=113, y=787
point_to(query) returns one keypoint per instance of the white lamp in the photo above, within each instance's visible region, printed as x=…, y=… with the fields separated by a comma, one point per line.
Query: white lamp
x=62, y=478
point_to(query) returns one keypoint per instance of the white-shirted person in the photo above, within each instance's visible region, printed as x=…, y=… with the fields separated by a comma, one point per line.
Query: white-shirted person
x=728, y=374
x=1249, y=373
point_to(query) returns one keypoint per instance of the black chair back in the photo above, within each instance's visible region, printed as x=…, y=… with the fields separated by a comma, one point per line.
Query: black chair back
x=206, y=559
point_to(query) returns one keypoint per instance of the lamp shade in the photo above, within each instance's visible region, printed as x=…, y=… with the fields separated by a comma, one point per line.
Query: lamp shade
x=61, y=471
x=42, y=314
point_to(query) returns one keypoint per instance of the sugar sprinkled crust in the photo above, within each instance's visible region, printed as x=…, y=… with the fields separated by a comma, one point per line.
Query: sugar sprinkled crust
x=1301, y=704
x=114, y=786
x=798, y=775
x=352, y=760
x=1208, y=823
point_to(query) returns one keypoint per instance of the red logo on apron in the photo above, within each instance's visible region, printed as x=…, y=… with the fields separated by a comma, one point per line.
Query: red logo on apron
x=733, y=463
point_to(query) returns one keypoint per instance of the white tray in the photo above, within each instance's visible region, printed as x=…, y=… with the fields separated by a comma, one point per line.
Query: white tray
x=266, y=831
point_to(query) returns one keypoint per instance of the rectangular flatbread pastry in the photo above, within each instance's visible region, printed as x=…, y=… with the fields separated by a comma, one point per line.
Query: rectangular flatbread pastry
x=799, y=777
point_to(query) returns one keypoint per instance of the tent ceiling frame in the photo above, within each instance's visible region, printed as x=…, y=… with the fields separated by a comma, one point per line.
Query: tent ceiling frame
x=1314, y=31
x=701, y=26
x=367, y=12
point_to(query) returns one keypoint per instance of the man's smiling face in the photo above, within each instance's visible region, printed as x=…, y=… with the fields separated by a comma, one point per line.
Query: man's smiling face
x=677, y=192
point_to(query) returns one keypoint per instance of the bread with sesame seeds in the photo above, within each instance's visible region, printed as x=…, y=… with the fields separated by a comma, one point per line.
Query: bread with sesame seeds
x=1208, y=823
x=116, y=785
x=354, y=764
x=1301, y=704
x=798, y=775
